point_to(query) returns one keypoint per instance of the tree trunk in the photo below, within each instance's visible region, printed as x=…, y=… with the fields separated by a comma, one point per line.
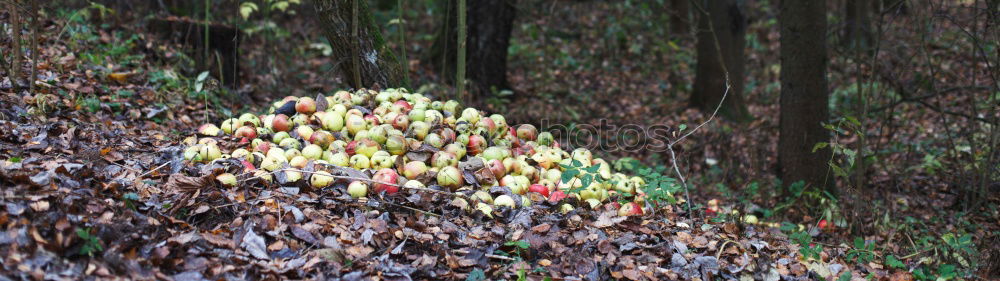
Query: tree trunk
x=804, y=95
x=680, y=17
x=376, y=63
x=15, y=45
x=489, y=24
x=728, y=21
x=857, y=24
x=34, y=47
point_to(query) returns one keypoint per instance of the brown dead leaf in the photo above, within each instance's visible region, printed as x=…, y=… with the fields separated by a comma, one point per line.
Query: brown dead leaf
x=219, y=240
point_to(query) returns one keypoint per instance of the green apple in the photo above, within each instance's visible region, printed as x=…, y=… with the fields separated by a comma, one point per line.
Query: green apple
x=357, y=189
x=320, y=179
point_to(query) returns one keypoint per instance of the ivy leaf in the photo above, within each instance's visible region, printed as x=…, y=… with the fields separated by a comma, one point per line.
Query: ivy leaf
x=891, y=261
x=846, y=276
x=476, y=275
x=569, y=175
x=247, y=8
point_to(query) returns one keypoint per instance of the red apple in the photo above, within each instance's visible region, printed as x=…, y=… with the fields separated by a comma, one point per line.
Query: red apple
x=263, y=147
x=406, y=106
x=496, y=166
x=386, y=180
x=557, y=196
x=321, y=138
x=476, y=144
x=246, y=132
x=280, y=123
x=209, y=130
x=372, y=120
x=305, y=105
x=527, y=132
x=401, y=122
x=630, y=209
x=540, y=189
x=488, y=124
x=350, y=148
x=414, y=169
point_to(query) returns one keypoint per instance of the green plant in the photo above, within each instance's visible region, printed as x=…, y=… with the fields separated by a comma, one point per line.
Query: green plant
x=807, y=248
x=91, y=244
x=476, y=275
x=130, y=199
x=863, y=252
x=576, y=170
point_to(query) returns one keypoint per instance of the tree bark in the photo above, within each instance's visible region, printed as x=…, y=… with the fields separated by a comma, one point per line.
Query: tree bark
x=857, y=24
x=727, y=20
x=15, y=45
x=804, y=94
x=680, y=17
x=490, y=23
x=34, y=47
x=376, y=64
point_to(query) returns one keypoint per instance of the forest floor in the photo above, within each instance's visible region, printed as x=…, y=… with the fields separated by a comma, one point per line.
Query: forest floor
x=94, y=183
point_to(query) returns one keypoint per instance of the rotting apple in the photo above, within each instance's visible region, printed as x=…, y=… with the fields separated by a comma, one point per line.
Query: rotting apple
x=395, y=144
x=497, y=168
x=305, y=132
x=504, y=201
x=527, y=132
x=435, y=140
x=321, y=138
x=482, y=195
x=209, y=130
x=443, y=158
x=420, y=129
x=246, y=132
x=457, y=149
x=250, y=119
x=386, y=180
x=540, y=189
x=290, y=143
x=485, y=209
x=226, y=179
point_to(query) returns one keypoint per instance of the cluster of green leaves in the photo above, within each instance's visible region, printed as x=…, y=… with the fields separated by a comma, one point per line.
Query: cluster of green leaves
x=249, y=7
x=91, y=244
x=807, y=248
x=577, y=171
x=130, y=199
x=862, y=252
x=659, y=187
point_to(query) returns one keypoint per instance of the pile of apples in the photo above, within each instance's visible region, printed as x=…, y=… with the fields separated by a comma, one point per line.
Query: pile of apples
x=393, y=137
